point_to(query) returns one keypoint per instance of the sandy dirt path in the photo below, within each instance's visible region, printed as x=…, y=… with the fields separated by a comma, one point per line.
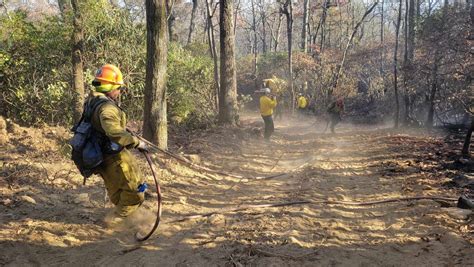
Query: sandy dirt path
x=64, y=225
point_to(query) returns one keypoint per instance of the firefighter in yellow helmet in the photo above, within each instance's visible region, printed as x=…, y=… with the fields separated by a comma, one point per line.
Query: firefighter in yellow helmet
x=119, y=169
x=302, y=103
x=267, y=104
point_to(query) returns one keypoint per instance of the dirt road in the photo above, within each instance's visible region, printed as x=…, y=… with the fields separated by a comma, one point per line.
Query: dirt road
x=48, y=218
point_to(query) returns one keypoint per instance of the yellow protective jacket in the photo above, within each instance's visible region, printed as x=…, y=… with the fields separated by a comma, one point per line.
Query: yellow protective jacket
x=267, y=105
x=110, y=120
x=120, y=171
x=302, y=102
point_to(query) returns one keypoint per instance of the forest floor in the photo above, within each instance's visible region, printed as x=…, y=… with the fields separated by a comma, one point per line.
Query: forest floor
x=49, y=218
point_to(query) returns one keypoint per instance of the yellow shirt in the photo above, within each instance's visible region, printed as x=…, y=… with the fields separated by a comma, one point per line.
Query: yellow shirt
x=302, y=102
x=267, y=105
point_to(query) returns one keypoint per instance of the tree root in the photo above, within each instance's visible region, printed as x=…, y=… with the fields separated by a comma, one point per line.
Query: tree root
x=292, y=203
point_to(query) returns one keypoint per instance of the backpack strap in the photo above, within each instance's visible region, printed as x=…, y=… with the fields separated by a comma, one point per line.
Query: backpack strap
x=92, y=105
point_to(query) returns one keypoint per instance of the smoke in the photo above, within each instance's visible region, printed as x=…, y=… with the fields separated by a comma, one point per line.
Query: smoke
x=140, y=220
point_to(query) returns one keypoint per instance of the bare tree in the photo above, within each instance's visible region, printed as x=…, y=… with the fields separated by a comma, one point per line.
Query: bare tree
x=340, y=67
x=406, y=97
x=255, y=44
x=434, y=71
x=408, y=54
x=192, y=23
x=275, y=32
x=228, y=90
x=322, y=25
x=395, y=64
x=304, y=30
x=155, y=125
x=264, y=19
x=171, y=18
x=287, y=10
x=77, y=64
x=382, y=42
x=434, y=87
x=236, y=13
x=212, y=48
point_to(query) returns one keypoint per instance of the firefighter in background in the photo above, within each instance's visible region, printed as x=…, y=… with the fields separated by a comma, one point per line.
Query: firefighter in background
x=267, y=104
x=335, y=111
x=277, y=86
x=302, y=104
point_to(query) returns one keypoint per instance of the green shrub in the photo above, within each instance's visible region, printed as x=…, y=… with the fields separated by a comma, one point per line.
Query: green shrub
x=36, y=70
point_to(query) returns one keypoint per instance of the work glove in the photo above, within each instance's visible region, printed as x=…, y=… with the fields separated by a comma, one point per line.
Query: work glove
x=142, y=146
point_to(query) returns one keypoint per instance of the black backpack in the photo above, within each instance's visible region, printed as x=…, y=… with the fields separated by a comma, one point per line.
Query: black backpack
x=86, y=141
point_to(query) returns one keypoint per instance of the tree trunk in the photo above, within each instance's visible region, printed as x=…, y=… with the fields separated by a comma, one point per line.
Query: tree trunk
x=277, y=34
x=228, y=91
x=434, y=89
x=411, y=32
x=406, y=97
x=212, y=48
x=395, y=64
x=288, y=11
x=263, y=15
x=434, y=75
x=170, y=19
x=237, y=8
x=323, y=26
x=382, y=43
x=191, y=23
x=315, y=36
x=467, y=140
x=155, y=125
x=77, y=64
x=255, y=44
x=304, y=30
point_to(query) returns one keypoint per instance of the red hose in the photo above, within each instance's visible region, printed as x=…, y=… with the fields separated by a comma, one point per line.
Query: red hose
x=159, y=201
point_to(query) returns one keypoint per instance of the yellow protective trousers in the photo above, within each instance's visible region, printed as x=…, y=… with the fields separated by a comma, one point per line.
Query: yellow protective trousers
x=122, y=177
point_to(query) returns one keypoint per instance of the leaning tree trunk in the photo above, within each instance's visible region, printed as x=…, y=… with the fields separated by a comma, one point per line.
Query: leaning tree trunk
x=395, y=65
x=340, y=67
x=192, y=23
x=276, y=36
x=155, y=125
x=77, y=64
x=228, y=91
